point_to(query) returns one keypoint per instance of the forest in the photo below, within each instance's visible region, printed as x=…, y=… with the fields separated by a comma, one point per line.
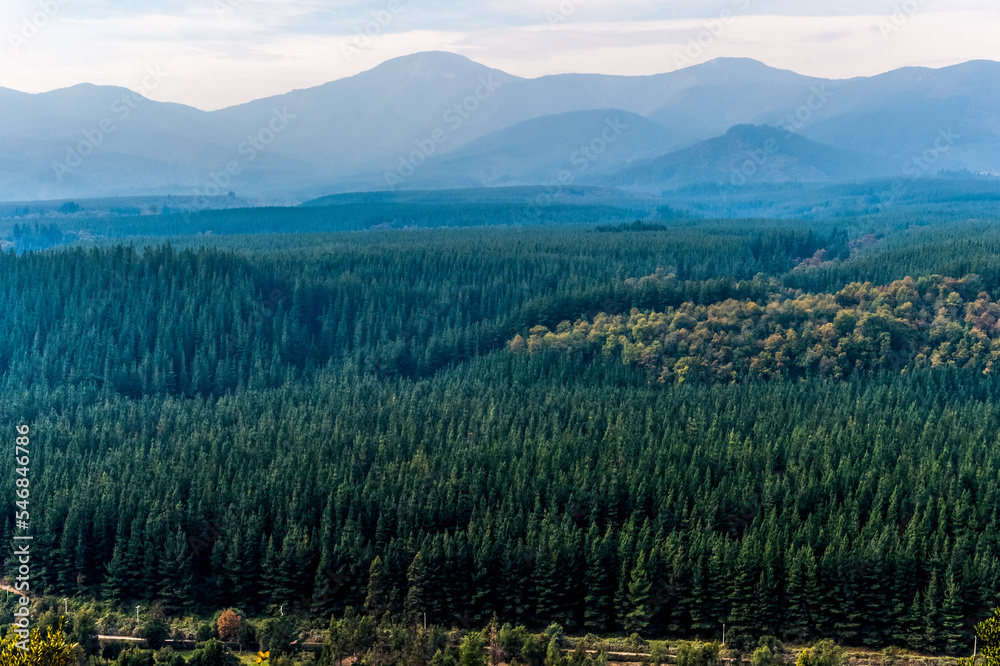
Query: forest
x=786, y=427
x=910, y=323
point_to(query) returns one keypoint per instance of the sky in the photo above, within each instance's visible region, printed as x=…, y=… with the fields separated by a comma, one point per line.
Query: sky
x=216, y=53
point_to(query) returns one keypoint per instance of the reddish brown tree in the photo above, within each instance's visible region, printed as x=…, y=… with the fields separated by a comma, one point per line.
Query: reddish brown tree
x=229, y=626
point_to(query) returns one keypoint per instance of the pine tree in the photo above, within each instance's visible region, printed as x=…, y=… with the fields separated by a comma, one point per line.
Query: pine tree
x=640, y=589
x=931, y=639
x=952, y=622
x=377, y=600
x=741, y=597
x=546, y=581
x=416, y=575
x=798, y=620
x=916, y=626
x=598, y=582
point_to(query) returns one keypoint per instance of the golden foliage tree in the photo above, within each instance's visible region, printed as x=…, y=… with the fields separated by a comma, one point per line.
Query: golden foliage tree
x=989, y=636
x=52, y=650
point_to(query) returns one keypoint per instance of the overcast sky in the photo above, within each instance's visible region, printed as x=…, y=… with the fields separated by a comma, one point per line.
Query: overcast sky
x=216, y=53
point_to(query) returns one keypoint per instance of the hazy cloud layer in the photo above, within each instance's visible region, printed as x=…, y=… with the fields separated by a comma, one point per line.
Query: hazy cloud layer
x=224, y=52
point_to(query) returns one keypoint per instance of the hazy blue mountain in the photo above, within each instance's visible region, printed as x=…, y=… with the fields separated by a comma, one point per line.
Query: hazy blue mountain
x=750, y=154
x=99, y=140
x=949, y=117
x=364, y=122
x=442, y=120
x=565, y=146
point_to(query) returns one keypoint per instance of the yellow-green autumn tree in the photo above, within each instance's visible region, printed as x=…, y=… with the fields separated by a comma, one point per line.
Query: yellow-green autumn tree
x=52, y=650
x=989, y=641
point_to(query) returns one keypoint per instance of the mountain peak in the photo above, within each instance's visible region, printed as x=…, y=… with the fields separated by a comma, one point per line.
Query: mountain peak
x=756, y=132
x=86, y=93
x=432, y=64
x=733, y=65
x=741, y=70
x=435, y=58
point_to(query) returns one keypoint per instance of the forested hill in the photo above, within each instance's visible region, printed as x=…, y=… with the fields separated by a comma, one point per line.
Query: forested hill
x=909, y=324
x=329, y=421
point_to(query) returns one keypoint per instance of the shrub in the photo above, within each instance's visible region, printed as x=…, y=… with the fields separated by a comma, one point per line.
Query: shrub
x=442, y=659
x=134, y=656
x=205, y=633
x=658, y=654
x=85, y=633
x=167, y=657
x=156, y=631
x=277, y=634
x=824, y=653
x=697, y=654
x=532, y=651
x=472, y=651
x=763, y=656
x=511, y=641
x=213, y=653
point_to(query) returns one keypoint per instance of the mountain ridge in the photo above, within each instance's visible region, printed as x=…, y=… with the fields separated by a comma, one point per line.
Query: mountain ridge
x=370, y=123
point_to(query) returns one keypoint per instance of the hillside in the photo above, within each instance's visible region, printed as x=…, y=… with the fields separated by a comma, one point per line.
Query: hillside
x=749, y=154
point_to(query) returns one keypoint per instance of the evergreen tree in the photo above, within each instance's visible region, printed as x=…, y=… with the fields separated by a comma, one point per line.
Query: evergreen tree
x=640, y=589
x=377, y=601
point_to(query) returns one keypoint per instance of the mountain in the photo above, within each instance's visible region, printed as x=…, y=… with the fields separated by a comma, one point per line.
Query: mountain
x=750, y=154
x=442, y=120
x=356, y=124
x=100, y=140
x=954, y=111
x=568, y=145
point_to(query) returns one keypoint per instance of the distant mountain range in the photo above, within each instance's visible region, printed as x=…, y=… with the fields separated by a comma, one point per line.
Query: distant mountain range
x=752, y=154
x=439, y=120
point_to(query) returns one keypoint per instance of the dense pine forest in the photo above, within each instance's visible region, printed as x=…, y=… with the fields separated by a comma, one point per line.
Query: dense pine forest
x=789, y=428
